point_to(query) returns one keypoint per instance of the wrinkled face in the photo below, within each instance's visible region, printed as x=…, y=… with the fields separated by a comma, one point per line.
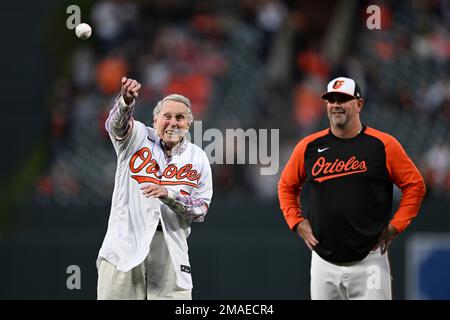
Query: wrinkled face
x=342, y=109
x=172, y=122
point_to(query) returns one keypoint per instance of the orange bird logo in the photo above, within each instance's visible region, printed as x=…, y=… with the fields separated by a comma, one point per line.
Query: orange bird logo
x=338, y=83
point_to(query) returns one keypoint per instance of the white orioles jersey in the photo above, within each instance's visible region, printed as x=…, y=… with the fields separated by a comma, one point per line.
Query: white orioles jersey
x=134, y=218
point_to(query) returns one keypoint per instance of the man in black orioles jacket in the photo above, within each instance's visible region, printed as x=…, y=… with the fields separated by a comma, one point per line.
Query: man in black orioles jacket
x=350, y=170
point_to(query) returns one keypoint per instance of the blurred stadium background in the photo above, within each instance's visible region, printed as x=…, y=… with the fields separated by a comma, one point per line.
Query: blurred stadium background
x=244, y=64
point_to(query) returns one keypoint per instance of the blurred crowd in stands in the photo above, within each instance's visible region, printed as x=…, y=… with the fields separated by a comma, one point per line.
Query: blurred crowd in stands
x=246, y=64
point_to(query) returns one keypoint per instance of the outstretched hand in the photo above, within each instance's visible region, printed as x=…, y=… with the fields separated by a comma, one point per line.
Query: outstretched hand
x=387, y=235
x=130, y=89
x=305, y=231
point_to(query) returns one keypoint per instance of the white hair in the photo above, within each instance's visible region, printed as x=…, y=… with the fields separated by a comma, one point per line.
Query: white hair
x=177, y=98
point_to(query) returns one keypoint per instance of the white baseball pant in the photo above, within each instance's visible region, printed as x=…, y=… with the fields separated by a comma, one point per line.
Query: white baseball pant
x=368, y=279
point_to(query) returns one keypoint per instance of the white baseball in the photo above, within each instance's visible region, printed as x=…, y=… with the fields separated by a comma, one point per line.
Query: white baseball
x=83, y=31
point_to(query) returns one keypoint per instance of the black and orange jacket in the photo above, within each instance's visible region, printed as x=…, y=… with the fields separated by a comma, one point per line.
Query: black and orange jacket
x=349, y=184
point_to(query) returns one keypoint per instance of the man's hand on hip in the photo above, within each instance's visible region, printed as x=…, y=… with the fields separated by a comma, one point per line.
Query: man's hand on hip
x=389, y=233
x=305, y=231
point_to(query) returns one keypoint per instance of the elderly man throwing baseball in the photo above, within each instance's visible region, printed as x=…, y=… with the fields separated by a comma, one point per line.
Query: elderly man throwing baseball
x=163, y=183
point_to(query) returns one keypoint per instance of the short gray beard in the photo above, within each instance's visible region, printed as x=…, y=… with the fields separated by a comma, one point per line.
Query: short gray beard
x=339, y=124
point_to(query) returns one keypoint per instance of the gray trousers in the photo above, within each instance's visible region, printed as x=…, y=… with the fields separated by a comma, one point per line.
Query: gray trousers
x=153, y=279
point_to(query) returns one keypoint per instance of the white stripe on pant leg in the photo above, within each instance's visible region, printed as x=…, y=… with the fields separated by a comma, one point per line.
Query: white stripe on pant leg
x=325, y=279
x=161, y=278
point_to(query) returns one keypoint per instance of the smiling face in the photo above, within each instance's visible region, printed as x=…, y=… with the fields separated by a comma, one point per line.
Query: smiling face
x=343, y=110
x=172, y=122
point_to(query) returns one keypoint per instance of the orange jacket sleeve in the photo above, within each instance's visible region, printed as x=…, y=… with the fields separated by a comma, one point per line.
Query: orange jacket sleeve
x=290, y=185
x=408, y=178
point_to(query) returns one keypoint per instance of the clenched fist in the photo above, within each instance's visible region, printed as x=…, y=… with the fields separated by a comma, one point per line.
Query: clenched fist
x=130, y=89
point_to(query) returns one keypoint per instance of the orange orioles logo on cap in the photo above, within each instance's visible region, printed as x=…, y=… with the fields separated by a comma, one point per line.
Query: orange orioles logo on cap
x=338, y=83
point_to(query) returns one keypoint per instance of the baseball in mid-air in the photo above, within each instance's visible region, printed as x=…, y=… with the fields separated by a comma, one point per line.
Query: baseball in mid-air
x=83, y=31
